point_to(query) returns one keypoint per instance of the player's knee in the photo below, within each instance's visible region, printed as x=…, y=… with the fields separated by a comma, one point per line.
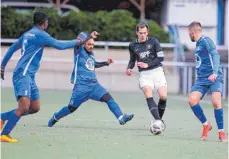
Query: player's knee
x=148, y=92
x=163, y=97
x=192, y=100
x=35, y=109
x=106, y=97
x=216, y=103
x=72, y=109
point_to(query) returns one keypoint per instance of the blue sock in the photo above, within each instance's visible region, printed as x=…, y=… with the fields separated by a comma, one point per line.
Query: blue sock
x=219, y=117
x=114, y=108
x=10, y=124
x=198, y=111
x=62, y=113
x=5, y=116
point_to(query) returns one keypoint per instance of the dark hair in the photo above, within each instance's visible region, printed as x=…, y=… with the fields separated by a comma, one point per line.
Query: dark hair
x=39, y=18
x=194, y=24
x=142, y=25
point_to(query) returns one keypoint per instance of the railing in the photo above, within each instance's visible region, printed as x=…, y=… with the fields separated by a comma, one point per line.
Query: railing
x=185, y=70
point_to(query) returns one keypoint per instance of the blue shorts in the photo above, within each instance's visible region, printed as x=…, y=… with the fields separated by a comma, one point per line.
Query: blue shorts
x=25, y=86
x=216, y=86
x=81, y=93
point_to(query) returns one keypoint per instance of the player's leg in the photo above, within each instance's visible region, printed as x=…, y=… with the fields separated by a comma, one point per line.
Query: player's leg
x=23, y=107
x=161, y=86
x=197, y=92
x=162, y=92
x=216, y=90
x=4, y=117
x=153, y=107
x=99, y=93
x=35, y=99
x=22, y=89
x=34, y=106
x=146, y=82
x=79, y=96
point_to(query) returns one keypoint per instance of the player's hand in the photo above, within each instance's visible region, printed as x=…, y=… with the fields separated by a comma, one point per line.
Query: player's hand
x=212, y=77
x=142, y=65
x=110, y=61
x=2, y=72
x=94, y=34
x=128, y=72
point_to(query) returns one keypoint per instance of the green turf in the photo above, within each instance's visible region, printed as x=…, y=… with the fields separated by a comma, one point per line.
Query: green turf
x=93, y=133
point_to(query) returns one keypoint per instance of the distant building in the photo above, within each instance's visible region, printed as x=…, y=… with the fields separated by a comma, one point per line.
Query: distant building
x=212, y=14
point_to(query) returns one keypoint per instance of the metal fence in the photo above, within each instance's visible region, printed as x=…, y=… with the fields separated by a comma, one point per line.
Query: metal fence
x=185, y=70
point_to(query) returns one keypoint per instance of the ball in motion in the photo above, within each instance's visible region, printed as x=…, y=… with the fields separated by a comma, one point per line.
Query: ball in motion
x=156, y=127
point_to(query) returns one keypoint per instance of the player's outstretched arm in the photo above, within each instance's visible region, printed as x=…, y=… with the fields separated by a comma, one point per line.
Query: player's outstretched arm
x=105, y=63
x=46, y=40
x=13, y=48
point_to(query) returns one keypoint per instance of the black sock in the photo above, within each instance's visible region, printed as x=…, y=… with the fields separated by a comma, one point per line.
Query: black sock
x=153, y=108
x=161, y=107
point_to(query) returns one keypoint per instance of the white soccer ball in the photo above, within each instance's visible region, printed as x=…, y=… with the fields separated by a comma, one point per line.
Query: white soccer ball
x=156, y=127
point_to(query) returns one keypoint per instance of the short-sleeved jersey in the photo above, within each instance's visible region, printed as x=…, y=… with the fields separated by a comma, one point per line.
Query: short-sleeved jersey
x=84, y=67
x=149, y=52
x=207, y=60
x=32, y=44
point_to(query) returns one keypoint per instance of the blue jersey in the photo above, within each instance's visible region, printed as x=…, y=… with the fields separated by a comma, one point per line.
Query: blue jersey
x=84, y=67
x=32, y=44
x=207, y=59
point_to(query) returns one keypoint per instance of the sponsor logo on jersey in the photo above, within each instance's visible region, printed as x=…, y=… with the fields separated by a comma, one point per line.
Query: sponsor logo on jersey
x=143, y=55
x=90, y=64
x=198, y=60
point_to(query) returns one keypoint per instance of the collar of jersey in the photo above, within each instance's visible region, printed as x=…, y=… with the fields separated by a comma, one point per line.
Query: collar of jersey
x=200, y=38
x=89, y=53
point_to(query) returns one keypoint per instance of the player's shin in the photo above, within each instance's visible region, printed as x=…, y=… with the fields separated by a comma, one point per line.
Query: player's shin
x=64, y=112
x=161, y=107
x=219, y=118
x=198, y=112
x=114, y=108
x=153, y=108
x=13, y=119
x=5, y=116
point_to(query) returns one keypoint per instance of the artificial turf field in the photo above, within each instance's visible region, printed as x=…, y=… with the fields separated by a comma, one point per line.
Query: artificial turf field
x=92, y=132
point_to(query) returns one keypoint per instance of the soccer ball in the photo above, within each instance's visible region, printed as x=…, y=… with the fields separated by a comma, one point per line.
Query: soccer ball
x=156, y=127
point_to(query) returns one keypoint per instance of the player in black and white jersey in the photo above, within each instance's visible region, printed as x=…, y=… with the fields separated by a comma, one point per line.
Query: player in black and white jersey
x=149, y=55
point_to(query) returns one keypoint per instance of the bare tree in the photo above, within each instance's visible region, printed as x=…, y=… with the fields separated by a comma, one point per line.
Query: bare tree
x=58, y=3
x=141, y=7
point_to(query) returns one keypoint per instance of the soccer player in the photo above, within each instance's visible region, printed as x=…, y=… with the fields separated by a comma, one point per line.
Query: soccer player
x=32, y=44
x=149, y=55
x=86, y=85
x=209, y=77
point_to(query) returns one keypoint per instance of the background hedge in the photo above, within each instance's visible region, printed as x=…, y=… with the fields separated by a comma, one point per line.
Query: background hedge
x=117, y=25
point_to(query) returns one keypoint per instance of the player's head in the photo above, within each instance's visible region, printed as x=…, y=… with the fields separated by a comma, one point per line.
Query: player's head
x=195, y=31
x=89, y=45
x=142, y=31
x=40, y=19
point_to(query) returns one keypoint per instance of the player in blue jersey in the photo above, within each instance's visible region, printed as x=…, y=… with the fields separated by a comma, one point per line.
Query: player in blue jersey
x=31, y=44
x=209, y=77
x=86, y=85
